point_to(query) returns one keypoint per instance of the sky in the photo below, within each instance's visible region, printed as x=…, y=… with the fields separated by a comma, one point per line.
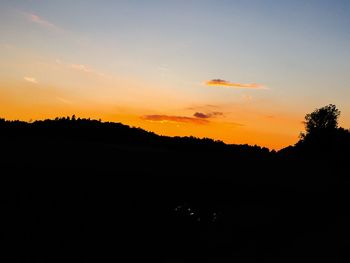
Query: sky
x=244, y=72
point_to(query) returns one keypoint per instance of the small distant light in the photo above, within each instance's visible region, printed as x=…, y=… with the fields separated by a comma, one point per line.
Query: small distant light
x=191, y=214
x=178, y=208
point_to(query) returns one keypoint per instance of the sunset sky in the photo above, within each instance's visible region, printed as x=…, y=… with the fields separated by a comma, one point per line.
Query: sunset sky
x=239, y=71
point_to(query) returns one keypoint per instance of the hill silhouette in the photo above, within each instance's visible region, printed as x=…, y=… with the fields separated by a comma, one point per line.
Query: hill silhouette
x=84, y=190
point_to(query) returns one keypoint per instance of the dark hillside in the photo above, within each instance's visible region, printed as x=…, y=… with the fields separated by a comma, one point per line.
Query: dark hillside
x=81, y=190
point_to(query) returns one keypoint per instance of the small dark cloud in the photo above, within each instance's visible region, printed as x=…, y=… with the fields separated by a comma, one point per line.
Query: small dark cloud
x=236, y=85
x=208, y=115
x=201, y=115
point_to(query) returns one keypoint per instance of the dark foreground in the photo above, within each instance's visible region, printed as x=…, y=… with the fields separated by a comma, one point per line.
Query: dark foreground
x=69, y=197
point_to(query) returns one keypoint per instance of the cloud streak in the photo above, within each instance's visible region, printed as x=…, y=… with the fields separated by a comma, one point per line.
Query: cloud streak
x=63, y=100
x=31, y=80
x=207, y=115
x=174, y=119
x=42, y=22
x=81, y=67
x=235, y=85
x=86, y=69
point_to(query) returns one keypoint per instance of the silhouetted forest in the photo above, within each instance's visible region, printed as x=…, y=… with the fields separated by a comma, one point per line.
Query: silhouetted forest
x=82, y=190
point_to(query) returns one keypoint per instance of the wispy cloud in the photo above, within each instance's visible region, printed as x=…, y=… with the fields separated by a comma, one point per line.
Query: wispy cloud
x=42, y=22
x=63, y=100
x=81, y=67
x=174, y=119
x=235, y=85
x=202, y=115
x=31, y=80
x=236, y=124
x=163, y=68
x=206, y=107
x=86, y=69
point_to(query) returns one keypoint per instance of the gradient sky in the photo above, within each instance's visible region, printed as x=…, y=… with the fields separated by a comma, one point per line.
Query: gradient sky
x=239, y=71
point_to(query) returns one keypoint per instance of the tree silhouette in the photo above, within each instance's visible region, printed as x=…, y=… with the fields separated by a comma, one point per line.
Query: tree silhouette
x=322, y=119
x=323, y=138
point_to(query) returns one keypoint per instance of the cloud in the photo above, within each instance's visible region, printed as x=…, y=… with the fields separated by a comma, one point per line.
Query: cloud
x=31, y=80
x=225, y=83
x=81, y=68
x=163, y=68
x=201, y=115
x=207, y=115
x=176, y=119
x=63, y=100
x=206, y=107
x=42, y=22
x=86, y=69
x=236, y=124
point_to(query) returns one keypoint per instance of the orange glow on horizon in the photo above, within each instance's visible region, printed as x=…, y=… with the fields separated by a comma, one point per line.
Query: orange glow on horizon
x=31, y=100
